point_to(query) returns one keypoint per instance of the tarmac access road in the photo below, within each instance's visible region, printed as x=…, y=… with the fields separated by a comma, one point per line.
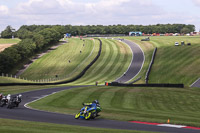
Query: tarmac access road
x=24, y=113
x=136, y=63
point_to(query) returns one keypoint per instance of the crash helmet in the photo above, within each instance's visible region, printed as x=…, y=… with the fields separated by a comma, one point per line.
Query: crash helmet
x=20, y=95
x=96, y=101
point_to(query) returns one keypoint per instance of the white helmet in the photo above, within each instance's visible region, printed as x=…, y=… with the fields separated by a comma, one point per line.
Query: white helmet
x=20, y=95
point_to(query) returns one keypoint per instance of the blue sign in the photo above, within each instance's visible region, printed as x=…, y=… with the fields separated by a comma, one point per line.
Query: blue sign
x=68, y=35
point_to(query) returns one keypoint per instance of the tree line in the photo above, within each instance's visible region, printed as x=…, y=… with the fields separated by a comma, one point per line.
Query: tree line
x=31, y=43
x=35, y=38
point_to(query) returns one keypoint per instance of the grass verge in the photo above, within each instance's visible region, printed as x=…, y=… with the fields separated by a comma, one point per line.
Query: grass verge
x=181, y=106
x=18, y=126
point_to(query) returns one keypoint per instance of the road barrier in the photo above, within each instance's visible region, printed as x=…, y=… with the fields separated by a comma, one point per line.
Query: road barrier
x=61, y=82
x=146, y=85
x=150, y=66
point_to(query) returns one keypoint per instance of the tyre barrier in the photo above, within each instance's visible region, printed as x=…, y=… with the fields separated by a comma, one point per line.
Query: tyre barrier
x=146, y=85
x=62, y=82
x=150, y=66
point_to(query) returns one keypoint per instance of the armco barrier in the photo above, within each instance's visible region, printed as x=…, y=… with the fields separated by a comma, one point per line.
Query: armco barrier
x=61, y=82
x=150, y=66
x=146, y=85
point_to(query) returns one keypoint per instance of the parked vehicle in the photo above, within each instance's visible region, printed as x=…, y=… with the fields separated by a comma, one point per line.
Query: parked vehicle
x=176, y=44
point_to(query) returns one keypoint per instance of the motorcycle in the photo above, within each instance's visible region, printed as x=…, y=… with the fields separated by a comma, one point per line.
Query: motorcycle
x=89, y=111
x=5, y=100
x=14, y=101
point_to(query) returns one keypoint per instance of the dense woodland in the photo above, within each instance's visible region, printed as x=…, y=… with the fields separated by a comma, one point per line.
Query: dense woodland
x=35, y=38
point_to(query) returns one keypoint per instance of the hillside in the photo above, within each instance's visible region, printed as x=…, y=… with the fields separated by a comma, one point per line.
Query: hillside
x=174, y=64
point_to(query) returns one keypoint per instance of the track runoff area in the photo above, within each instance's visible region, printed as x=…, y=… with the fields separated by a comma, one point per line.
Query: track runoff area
x=24, y=112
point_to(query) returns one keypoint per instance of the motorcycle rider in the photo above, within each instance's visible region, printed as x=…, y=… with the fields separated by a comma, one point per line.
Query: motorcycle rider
x=8, y=98
x=94, y=104
x=14, y=101
x=1, y=96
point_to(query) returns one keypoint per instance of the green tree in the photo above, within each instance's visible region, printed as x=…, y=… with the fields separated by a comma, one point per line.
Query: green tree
x=185, y=30
x=8, y=32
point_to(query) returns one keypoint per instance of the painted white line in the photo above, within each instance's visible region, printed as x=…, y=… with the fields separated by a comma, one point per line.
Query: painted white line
x=170, y=125
x=26, y=105
x=195, y=82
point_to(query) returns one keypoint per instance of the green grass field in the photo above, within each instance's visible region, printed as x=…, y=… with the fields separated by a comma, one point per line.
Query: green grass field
x=172, y=64
x=16, y=126
x=113, y=62
x=181, y=106
x=9, y=41
x=57, y=61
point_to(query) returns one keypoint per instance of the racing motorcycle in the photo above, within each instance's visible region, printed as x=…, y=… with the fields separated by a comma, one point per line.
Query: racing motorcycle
x=5, y=100
x=89, y=111
x=14, y=101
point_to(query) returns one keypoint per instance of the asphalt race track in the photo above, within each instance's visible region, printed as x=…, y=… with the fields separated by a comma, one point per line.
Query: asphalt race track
x=136, y=64
x=196, y=83
x=23, y=113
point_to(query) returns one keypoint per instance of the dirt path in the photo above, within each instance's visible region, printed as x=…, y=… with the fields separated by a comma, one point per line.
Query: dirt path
x=4, y=46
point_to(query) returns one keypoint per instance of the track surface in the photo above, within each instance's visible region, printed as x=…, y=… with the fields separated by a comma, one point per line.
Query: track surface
x=136, y=64
x=196, y=83
x=23, y=113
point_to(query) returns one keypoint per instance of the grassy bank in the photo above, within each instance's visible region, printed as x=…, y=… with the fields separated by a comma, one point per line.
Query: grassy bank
x=113, y=62
x=17, y=126
x=181, y=106
x=62, y=61
x=173, y=64
x=9, y=41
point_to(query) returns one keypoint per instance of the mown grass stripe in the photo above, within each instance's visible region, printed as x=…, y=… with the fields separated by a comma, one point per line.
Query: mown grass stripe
x=56, y=62
x=118, y=99
x=117, y=66
x=81, y=97
x=106, y=69
x=106, y=98
x=99, y=65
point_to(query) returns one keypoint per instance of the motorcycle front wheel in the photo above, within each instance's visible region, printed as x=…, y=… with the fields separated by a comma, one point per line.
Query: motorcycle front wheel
x=88, y=115
x=77, y=115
